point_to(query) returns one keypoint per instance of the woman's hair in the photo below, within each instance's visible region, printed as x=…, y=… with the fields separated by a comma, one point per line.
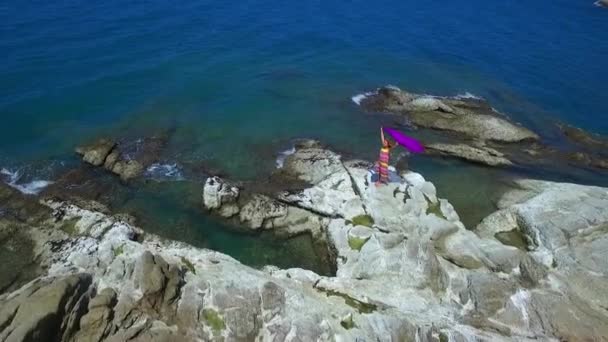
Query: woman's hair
x=388, y=143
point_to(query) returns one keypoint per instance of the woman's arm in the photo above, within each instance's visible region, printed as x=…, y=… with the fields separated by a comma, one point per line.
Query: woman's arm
x=382, y=134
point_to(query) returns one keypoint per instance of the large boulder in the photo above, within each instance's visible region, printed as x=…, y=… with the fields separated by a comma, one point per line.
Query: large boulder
x=221, y=197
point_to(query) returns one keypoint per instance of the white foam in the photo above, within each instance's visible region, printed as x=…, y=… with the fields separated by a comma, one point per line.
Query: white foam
x=164, y=171
x=468, y=95
x=283, y=155
x=32, y=188
x=13, y=176
x=360, y=97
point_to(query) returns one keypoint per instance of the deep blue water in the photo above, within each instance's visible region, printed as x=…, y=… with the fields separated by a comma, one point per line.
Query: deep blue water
x=237, y=79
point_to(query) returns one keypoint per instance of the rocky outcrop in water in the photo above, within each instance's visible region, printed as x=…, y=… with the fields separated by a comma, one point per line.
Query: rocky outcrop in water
x=406, y=267
x=475, y=132
x=472, y=118
x=127, y=159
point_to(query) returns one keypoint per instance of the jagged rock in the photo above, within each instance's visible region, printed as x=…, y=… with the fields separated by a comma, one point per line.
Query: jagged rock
x=221, y=197
x=40, y=310
x=128, y=169
x=158, y=281
x=111, y=160
x=96, y=153
x=96, y=324
x=483, y=155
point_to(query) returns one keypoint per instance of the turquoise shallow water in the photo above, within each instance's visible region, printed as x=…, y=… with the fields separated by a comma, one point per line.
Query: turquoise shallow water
x=237, y=80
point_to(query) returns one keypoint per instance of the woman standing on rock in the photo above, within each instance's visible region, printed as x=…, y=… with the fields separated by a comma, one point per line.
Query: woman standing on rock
x=384, y=158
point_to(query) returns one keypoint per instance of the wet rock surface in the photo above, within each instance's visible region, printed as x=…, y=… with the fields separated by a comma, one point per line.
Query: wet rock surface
x=406, y=266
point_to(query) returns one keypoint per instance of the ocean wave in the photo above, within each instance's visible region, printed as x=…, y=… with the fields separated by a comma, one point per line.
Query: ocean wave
x=357, y=99
x=31, y=188
x=284, y=154
x=165, y=172
x=468, y=95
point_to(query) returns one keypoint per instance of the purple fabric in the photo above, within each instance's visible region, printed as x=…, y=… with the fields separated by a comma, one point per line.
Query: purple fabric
x=405, y=141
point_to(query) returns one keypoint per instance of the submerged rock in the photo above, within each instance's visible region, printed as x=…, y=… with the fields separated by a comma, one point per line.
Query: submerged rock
x=586, y=139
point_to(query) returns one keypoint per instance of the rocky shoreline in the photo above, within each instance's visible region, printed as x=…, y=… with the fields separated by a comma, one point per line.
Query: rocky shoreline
x=406, y=267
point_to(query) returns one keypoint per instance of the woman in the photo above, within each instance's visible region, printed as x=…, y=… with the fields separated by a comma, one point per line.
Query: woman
x=384, y=158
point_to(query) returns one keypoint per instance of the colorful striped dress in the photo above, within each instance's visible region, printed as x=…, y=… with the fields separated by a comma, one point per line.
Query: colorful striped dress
x=383, y=164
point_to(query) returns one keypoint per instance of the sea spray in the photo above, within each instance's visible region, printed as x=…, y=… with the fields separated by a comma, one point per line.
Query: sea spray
x=160, y=171
x=31, y=188
x=468, y=96
x=357, y=99
x=282, y=155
